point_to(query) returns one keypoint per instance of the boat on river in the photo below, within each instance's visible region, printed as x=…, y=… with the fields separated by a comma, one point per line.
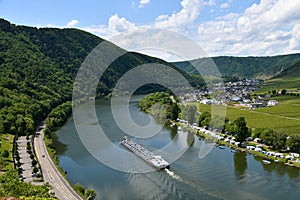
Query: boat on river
x=266, y=161
x=154, y=160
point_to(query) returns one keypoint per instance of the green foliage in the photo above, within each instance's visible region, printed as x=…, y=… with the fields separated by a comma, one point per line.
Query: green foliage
x=293, y=142
x=10, y=185
x=287, y=79
x=188, y=112
x=160, y=105
x=58, y=115
x=33, y=162
x=204, y=119
x=3, y=163
x=87, y=193
x=276, y=139
x=239, y=129
x=5, y=153
x=90, y=194
x=256, y=133
x=35, y=170
x=79, y=188
x=242, y=66
x=218, y=123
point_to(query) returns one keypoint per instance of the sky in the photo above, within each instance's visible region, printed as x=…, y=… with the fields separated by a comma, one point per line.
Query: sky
x=220, y=27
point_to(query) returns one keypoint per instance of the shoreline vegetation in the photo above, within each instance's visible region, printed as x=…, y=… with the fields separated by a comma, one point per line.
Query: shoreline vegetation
x=266, y=143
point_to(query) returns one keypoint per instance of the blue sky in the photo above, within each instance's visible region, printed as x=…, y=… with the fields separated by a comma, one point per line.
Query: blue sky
x=221, y=27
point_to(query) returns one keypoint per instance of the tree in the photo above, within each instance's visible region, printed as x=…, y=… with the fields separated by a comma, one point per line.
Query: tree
x=80, y=188
x=189, y=113
x=90, y=194
x=173, y=111
x=204, y=119
x=275, y=139
x=218, y=122
x=268, y=136
x=256, y=133
x=283, y=92
x=240, y=129
x=33, y=162
x=5, y=154
x=280, y=140
x=293, y=142
x=35, y=170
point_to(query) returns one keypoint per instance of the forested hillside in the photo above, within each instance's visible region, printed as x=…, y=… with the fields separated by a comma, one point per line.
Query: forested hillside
x=248, y=67
x=38, y=68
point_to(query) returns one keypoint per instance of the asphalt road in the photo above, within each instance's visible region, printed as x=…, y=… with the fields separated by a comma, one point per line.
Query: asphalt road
x=51, y=175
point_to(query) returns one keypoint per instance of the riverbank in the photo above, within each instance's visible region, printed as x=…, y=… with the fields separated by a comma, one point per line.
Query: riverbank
x=219, y=142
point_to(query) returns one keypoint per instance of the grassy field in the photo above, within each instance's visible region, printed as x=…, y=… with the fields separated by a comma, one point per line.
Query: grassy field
x=6, y=144
x=285, y=116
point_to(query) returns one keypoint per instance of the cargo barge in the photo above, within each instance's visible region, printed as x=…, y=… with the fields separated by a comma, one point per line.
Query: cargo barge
x=154, y=160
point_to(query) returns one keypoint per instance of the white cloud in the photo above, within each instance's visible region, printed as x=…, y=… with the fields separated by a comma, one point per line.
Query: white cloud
x=72, y=23
x=143, y=3
x=266, y=28
x=184, y=18
x=118, y=24
x=270, y=27
x=209, y=3
x=224, y=5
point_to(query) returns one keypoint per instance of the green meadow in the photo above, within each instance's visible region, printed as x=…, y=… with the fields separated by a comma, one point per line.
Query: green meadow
x=285, y=116
x=6, y=141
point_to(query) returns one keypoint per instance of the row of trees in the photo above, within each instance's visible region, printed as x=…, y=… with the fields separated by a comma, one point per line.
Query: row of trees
x=238, y=128
x=278, y=140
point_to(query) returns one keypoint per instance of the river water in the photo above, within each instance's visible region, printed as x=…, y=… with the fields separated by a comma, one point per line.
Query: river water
x=220, y=175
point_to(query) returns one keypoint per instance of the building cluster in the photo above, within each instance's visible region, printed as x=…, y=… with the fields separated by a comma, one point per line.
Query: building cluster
x=237, y=93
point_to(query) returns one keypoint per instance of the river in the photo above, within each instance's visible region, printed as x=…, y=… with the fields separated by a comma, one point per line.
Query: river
x=220, y=175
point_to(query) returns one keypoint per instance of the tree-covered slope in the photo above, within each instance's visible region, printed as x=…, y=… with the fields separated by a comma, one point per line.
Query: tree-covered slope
x=251, y=67
x=287, y=79
x=38, y=68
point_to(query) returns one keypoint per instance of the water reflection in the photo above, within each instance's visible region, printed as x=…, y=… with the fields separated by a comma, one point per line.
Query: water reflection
x=240, y=164
x=280, y=168
x=190, y=139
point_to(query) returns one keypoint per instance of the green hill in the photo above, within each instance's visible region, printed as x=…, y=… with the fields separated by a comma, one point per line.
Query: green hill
x=38, y=68
x=249, y=67
x=287, y=79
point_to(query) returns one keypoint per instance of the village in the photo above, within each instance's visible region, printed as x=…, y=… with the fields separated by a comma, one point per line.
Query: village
x=236, y=94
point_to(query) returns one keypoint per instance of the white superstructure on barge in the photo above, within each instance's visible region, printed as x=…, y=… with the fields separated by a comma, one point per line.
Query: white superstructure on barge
x=154, y=160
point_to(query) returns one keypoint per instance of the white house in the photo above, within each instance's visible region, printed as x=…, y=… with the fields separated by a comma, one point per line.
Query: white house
x=272, y=103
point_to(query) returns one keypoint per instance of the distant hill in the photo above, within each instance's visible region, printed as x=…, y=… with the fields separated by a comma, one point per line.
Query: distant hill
x=248, y=67
x=287, y=79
